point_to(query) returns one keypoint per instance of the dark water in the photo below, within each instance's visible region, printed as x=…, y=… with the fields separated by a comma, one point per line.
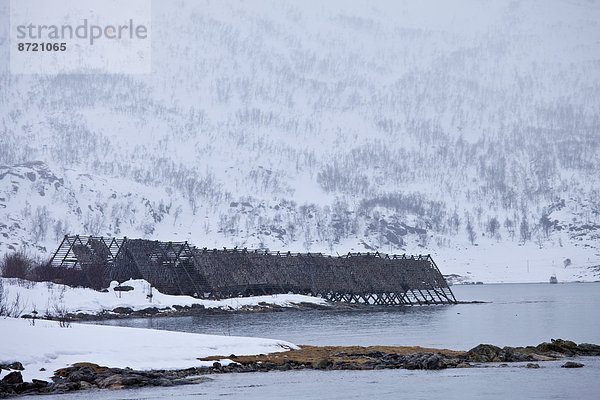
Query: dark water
x=518, y=314
x=514, y=382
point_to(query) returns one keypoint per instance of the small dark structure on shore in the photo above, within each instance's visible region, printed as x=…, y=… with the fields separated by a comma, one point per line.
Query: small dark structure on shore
x=180, y=268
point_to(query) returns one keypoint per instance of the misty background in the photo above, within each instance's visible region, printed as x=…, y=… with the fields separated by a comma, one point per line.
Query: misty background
x=466, y=129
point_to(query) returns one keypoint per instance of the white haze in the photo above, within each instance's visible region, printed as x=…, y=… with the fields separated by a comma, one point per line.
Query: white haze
x=335, y=126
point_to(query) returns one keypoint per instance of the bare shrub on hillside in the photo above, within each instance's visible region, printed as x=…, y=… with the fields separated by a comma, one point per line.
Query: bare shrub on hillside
x=2, y=299
x=61, y=315
x=16, y=265
x=10, y=308
x=60, y=275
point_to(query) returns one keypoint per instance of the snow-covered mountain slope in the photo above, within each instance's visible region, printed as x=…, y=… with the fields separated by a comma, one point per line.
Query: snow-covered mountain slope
x=467, y=130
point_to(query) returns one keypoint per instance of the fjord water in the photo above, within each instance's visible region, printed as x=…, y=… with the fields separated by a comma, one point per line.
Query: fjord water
x=512, y=315
x=515, y=314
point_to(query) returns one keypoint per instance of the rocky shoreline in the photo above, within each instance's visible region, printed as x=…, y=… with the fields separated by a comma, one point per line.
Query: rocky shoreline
x=197, y=309
x=85, y=376
x=182, y=311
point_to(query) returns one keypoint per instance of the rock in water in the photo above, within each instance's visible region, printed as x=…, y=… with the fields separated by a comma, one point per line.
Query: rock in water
x=558, y=346
x=85, y=374
x=13, y=378
x=587, y=349
x=424, y=361
x=323, y=364
x=123, y=310
x=112, y=382
x=16, y=366
x=485, y=353
x=532, y=365
x=83, y=385
x=39, y=383
x=572, y=364
x=435, y=362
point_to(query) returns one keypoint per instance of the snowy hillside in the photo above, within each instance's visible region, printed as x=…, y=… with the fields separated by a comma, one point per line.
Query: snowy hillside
x=469, y=130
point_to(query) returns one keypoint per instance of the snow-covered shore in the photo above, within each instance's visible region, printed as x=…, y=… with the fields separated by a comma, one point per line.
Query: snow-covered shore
x=47, y=298
x=47, y=346
x=492, y=262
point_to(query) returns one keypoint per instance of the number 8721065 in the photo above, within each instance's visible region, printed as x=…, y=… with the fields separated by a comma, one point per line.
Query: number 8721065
x=42, y=46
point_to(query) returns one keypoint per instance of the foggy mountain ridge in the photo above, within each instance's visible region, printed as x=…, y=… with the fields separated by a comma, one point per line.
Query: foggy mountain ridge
x=294, y=126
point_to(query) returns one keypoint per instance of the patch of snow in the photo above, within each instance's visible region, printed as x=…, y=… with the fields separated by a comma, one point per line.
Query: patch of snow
x=45, y=297
x=509, y=262
x=47, y=345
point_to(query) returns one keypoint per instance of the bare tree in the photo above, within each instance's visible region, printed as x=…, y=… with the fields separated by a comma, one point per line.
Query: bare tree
x=493, y=225
x=546, y=224
x=423, y=239
x=40, y=220
x=60, y=229
x=510, y=227
x=61, y=314
x=524, y=230
x=3, y=295
x=9, y=308
x=471, y=235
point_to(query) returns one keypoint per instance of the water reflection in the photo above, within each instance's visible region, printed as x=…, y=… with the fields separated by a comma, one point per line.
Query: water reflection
x=517, y=314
